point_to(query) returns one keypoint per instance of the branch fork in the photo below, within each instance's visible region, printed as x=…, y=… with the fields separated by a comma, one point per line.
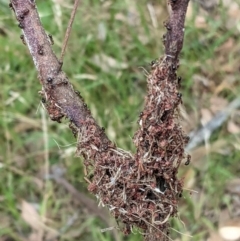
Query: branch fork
x=140, y=189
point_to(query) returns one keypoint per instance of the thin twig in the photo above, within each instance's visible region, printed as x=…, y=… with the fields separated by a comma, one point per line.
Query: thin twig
x=69, y=28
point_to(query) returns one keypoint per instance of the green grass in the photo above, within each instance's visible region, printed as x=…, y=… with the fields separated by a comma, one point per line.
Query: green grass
x=115, y=96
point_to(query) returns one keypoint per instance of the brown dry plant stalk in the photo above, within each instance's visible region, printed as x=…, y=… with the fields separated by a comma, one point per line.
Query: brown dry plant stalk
x=142, y=189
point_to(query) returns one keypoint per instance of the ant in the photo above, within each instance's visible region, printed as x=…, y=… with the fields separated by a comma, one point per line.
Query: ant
x=188, y=160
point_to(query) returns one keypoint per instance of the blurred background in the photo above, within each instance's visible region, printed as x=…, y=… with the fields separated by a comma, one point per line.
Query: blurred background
x=42, y=186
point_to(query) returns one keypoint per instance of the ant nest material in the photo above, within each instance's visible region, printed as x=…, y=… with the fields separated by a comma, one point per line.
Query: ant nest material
x=142, y=190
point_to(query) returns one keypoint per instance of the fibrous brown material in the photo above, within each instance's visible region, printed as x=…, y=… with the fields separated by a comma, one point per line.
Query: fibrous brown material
x=140, y=190
x=143, y=191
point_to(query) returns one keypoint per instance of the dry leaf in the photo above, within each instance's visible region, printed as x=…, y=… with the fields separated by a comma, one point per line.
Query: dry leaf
x=200, y=22
x=233, y=15
x=233, y=186
x=31, y=216
x=36, y=236
x=224, y=85
x=214, y=236
x=226, y=47
x=217, y=104
x=206, y=116
x=233, y=128
x=34, y=220
x=230, y=230
x=229, y=67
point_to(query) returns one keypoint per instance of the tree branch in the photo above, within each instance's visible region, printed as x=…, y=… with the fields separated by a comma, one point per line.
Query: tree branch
x=175, y=29
x=140, y=190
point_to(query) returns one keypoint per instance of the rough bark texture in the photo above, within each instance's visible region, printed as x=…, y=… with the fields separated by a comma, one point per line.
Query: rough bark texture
x=140, y=190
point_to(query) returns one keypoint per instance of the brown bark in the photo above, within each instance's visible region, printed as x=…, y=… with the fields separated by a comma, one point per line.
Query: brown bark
x=143, y=189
